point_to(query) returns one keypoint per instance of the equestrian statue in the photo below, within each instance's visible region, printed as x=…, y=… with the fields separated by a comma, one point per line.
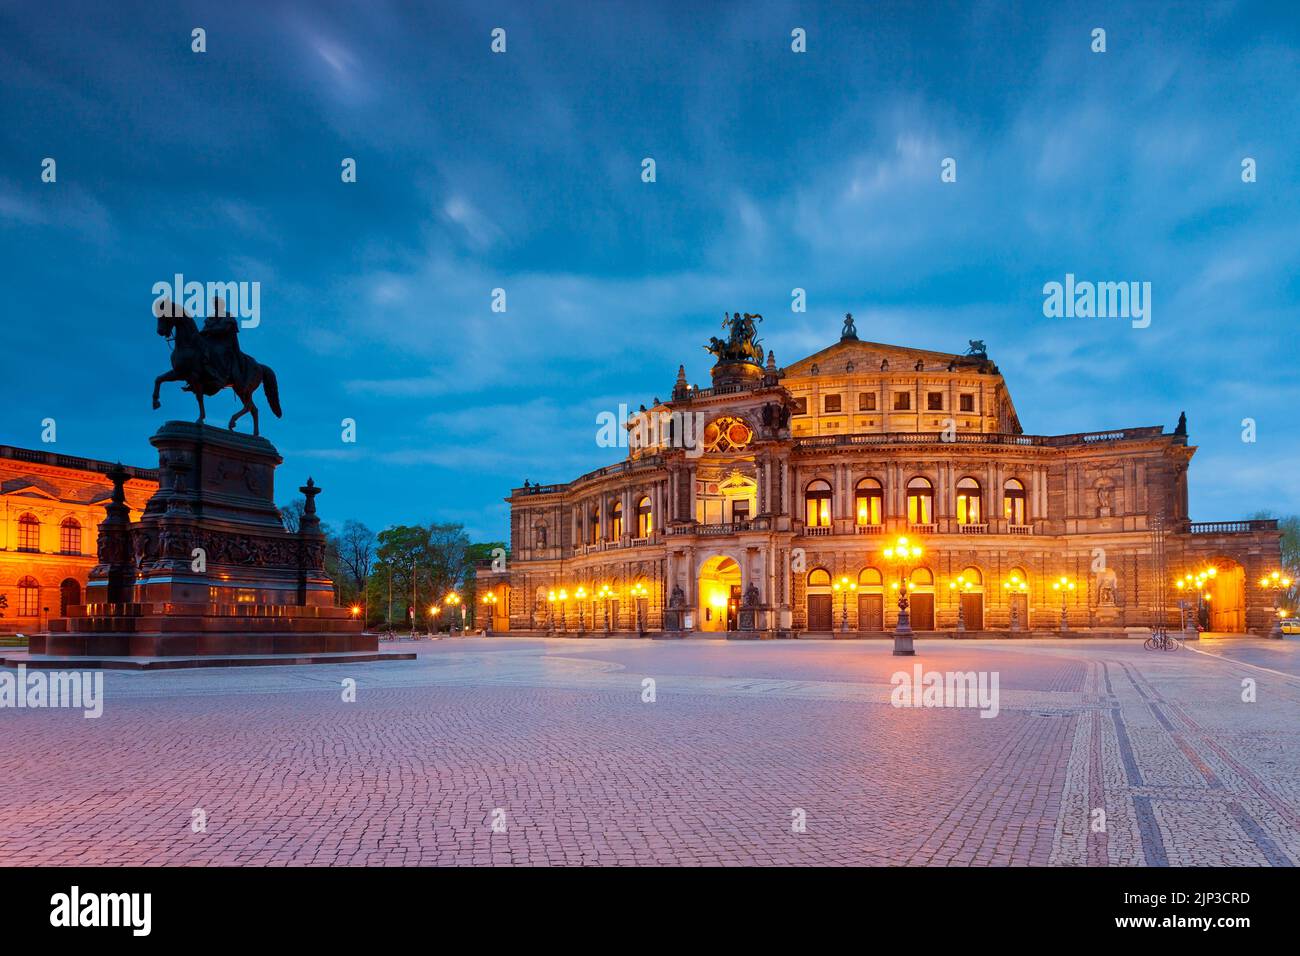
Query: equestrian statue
x=208, y=360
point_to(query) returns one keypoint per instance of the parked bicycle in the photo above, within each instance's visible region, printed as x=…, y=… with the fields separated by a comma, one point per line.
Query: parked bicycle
x=1162, y=640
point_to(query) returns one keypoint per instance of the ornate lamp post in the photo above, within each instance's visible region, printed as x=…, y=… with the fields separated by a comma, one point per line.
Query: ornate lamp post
x=1197, y=580
x=550, y=613
x=606, y=594
x=958, y=588
x=489, y=608
x=1065, y=586
x=1013, y=587
x=434, y=611
x=638, y=592
x=453, y=599
x=580, y=596
x=903, y=552
x=844, y=585
x=564, y=601
x=1277, y=583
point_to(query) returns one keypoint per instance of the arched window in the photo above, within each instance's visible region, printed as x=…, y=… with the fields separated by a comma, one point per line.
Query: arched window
x=973, y=576
x=1013, y=502
x=1016, y=580
x=817, y=502
x=869, y=503
x=70, y=536
x=616, y=521
x=645, y=522
x=29, y=597
x=593, y=527
x=969, y=502
x=69, y=594
x=920, y=501
x=869, y=578
x=922, y=578
x=29, y=533
x=819, y=578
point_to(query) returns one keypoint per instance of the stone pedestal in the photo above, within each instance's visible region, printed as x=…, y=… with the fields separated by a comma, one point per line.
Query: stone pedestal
x=209, y=569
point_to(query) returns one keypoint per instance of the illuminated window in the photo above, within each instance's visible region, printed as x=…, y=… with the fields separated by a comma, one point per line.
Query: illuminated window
x=29, y=597
x=70, y=536
x=869, y=578
x=832, y=403
x=817, y=500
x=29, y=533
x=869, y=501
x=920, y=501
x=616, y=522
x=645, y=522
x=1013, y=502
x=969, y=502
x=593, y=526
x=819, y=578
x=902, y=401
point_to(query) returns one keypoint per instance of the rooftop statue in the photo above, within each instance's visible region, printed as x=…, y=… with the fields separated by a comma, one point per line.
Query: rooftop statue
x=742, y=344
x=210, y=359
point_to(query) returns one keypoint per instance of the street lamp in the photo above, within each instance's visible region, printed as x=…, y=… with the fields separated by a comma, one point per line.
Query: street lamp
x=489, y=605
x=844, y=585
x=638, y=592
x=564, y=600
x=958, y=588
x=451, y=600
x=1277, y=583
x=550, y=613
x=902, y=552
x=580, y=596
x=1013, y=587
x=605, y=594
x=434, y=611
x=1197, y=580
x=1065, y=586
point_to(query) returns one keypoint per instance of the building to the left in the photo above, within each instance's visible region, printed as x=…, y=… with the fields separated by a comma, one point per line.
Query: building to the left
x=52, y=507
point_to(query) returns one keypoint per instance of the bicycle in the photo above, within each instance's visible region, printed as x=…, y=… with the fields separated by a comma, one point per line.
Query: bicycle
x=1161, y=640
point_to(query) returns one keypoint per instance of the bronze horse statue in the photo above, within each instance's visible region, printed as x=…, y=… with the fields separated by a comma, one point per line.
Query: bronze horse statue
x=208, y=361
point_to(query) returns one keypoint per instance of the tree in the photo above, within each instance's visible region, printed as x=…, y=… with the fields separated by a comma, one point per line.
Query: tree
x=424, y=563
x=291, y=514
x=355, y=547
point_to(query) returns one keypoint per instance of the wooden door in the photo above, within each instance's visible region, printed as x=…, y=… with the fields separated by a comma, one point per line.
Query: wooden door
x=819, y=612
x=871, y=612
x=972, y=611
x=922, y=612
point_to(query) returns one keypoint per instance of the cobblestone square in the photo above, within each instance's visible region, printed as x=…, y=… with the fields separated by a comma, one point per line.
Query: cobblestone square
x=548, y=752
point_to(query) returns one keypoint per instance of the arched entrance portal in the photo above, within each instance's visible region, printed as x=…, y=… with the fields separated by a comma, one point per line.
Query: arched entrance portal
x=719, y=594
x=69, y=594
x=1227, y=597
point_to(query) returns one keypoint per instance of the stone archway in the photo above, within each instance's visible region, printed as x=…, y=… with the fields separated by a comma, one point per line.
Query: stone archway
x=719, y=594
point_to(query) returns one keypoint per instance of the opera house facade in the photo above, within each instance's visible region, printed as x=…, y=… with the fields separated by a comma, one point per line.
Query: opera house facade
x=771, y=503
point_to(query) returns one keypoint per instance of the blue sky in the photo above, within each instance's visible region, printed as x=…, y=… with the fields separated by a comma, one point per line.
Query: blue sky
x=521, y=170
